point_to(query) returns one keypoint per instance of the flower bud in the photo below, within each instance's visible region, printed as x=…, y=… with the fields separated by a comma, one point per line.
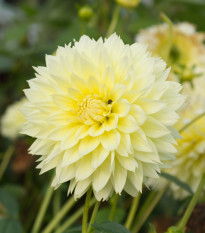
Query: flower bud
x=85, y=13
x=128, y=3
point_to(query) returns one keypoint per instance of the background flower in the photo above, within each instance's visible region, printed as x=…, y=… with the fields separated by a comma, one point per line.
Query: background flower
x=187, y=53
x=12, y=120
x=102, y=113
x=190, y=157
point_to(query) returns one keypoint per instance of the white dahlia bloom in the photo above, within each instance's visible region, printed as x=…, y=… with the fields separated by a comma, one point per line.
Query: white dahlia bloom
x=102, y=114
x=13, y=120
x=187, y=53
x=189, y=165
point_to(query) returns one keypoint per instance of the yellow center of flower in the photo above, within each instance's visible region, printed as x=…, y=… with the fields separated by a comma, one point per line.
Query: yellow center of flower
x=93, y=109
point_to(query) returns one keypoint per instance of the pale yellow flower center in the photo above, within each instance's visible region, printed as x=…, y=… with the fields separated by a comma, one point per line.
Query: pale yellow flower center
x=93, y=109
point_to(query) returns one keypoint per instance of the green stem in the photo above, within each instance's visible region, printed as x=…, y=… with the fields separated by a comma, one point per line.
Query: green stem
x=190, y=123
x=192, y=204
x=114, y=206
x=85, y=212
x=5, y=160
x=170, y=40
x=114, y=20
x=66, y=207
x=132, y=211
x=97, y=204
x=73, y=218
x=82, y=28
x=56, y=203
x=41, y=213
x=147, y=208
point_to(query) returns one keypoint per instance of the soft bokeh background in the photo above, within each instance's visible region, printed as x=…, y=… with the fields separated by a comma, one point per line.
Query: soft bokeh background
x=29, y=29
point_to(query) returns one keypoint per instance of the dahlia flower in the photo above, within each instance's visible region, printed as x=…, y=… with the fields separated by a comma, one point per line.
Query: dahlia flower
x=102, y=114
x=12, y=120
x=189, y=165
x=187, y=53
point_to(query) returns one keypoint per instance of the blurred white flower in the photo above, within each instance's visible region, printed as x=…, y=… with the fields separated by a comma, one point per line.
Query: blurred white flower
x=34, y=33
x=12, y=120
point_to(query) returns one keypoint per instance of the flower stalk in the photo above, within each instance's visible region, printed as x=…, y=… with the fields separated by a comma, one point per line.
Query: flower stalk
x=147, y=209
x=56, y=204
x=114, y=206
x=114, y=20
x=192, y=122
x=132, y=211
x=42, y=211
x=170, y=39
x=5, y=161
x=184, y=220
x=64, y=210
x=85, y=212
x=73, y=218
x=95, y=210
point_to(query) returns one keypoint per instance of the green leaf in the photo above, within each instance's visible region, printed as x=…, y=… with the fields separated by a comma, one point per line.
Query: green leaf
x=9, y=204
x=110, y=227
x=9, y=225
x=15, y=190
x=103, y=215
x=177, y=182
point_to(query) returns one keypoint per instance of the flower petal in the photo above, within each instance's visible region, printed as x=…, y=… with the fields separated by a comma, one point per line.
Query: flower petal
x=139, y=115
x=116, y=92
x=58, y=118
x=124, y=147
x=75, y=94
x=110, y=140
x=139, y=141
x=119, y=177
x=96, y=129
x=108, y=78
x=104, y=193
x=154, y=128
x=88, y=144
x=127, y=163
x=84, y=168
x=69, y=139
x=101, y=175
x=64, y=102
x=67, y=173
x=151, y=106
x=110, y=122
x=136, y=178
x=71, y=156
x=127, y=124
x=98, y=156
x=121, y=107
x=82, y=187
